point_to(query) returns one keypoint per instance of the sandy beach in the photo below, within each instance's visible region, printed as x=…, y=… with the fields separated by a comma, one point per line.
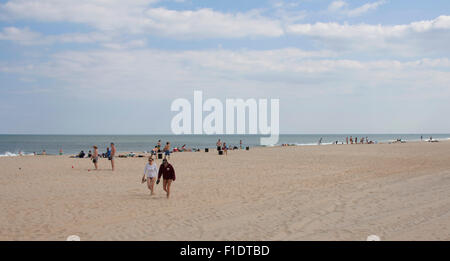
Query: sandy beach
x=333, y=192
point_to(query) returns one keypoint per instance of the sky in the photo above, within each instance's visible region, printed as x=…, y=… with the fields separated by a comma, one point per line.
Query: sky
x=115, y=67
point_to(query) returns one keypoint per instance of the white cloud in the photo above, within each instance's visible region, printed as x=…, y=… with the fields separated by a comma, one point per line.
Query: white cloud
x=341, y=7
x=337, y=5
x=22, y=36
x=131, y=74
x=336, y=30
x=365, y=8
x=138, y=16
x=101, y=14
x=408, y=39
x=25, y=36
x=207, y=23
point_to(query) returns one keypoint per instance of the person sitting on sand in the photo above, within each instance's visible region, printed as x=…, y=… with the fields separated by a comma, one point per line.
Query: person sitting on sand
x=150, y=173
x=154, y=151
x=94, y=157
x=183, y=148
x=81, y=154
x=167, y=171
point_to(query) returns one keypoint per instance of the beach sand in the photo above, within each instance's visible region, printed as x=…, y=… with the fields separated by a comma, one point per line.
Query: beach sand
x=333, y=192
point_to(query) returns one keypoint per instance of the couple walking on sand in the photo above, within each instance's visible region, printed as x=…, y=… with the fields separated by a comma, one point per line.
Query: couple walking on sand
x=167, y=172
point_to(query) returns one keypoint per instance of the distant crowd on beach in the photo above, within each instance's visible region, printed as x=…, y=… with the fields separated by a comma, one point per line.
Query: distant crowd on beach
x=94, y=155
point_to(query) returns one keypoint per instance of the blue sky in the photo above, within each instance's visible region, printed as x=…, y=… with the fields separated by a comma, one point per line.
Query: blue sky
x=114, y=67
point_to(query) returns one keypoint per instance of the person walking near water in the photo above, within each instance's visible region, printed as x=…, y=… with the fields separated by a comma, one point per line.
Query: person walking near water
x=112, y=155
x=167, y=172
x=150, y=173
x=94, y=157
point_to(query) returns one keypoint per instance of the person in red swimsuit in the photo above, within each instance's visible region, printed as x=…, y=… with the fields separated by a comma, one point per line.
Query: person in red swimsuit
x=168, y=173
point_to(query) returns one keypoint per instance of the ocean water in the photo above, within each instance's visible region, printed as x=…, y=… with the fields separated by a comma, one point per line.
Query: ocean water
x=12, y=145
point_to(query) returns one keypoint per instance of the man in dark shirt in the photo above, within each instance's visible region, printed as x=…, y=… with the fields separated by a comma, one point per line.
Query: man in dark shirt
x=167, y=171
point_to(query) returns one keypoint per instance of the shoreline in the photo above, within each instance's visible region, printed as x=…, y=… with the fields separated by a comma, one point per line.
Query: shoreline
x=9, y=154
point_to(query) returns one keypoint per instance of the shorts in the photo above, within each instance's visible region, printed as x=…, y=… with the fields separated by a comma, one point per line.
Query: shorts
x=110, y=157
x=167, y=153
x=151, y=176
x=95, y=160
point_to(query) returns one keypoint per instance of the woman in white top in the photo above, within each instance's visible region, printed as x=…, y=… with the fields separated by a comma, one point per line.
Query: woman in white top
x=150, y=171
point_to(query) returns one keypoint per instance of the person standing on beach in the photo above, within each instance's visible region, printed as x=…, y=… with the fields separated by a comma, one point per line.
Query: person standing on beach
x=94, y=157
x=219, y=145
x=240, y=144
x=159, y=145
x=346, y=139
x=356, y=140
x=150, y=172
x=351, y=140
x=225, y=148
x=111, y=156
x=167, y=150
x=167, y=171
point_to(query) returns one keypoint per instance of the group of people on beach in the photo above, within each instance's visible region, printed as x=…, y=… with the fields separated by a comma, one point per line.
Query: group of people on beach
x=361, y=140
x=94, y=156
x=223, y=146
x=152, y=174
x=166, y=150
